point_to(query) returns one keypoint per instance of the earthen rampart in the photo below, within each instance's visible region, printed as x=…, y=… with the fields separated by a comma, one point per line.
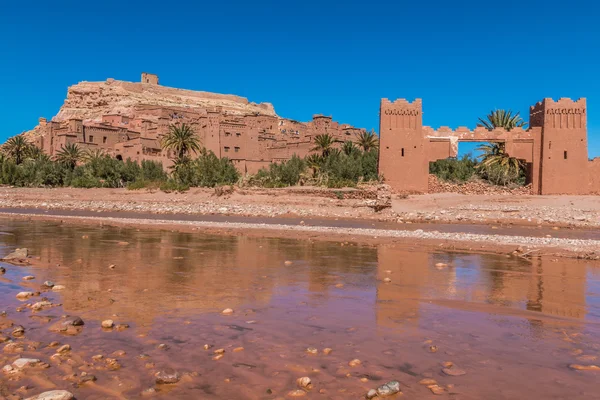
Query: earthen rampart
x=553, y=149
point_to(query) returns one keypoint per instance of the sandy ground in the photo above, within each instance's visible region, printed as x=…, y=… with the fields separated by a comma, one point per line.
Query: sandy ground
x=578, y=211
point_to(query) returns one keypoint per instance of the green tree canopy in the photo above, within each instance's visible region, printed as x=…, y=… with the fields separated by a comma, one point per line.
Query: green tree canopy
x=182, y=140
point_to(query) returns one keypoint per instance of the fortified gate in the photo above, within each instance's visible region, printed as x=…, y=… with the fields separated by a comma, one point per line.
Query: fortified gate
x=554, y=148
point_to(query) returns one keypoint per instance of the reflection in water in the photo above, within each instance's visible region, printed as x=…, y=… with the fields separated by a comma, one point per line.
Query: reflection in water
x=484, y=311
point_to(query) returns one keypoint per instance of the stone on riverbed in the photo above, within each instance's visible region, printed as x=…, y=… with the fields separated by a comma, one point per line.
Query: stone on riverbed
x=53, y=395
x=578, y=367
x=227, y=311
x=108, y=324
x=49, y=284
x=304, y=383
x=18, y=254
x=25, y=362
x=24, y=295
x=69, y=325
x=57, y=288
x=2, y=270
x=389, y=389
x=167, y=376
x=453, y=370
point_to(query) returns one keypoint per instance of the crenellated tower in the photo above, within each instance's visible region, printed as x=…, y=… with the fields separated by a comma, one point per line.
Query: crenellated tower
x=564, y=154
x=402, y=155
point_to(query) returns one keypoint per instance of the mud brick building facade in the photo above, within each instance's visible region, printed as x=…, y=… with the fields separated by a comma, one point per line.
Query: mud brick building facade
x=553, y=148
x=250, y=135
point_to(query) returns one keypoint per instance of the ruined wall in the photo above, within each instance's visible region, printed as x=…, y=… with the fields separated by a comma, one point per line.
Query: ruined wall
x=152, y=79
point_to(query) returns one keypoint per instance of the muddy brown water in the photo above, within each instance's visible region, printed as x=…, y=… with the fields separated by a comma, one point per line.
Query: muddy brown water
x=514, y=325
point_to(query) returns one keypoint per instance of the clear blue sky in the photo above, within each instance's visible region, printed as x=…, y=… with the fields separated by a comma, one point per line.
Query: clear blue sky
x=463, y=58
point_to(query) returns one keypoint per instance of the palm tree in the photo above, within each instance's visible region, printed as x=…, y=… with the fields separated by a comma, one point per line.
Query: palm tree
x=69, y=155
x=37, y=154
x=93, y=155
x=314, y=161
x=494, y=156
x=367, y=141
x=348, y=148
x=502, y=119
x=324, y=143
x=182, y=140
x=17, y=148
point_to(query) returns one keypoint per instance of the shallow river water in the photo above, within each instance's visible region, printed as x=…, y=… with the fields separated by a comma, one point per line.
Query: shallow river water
x=514, y=325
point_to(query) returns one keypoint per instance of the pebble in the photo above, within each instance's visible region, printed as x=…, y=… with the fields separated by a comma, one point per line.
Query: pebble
x=288, y=262
x=53, y=395
x=584, y=367
x=49, y=284
x=304, y=383
x=387, y=280
x=441, y=265
x=41, y=305
x=218, y=357
x=312, y=350
x=227, y=311
x=25, y=362
x=167, y=376
x=297, y=393
x=436, y=389
x=371, y=394
x=238, y=349
x=2, y=270
x=327, y=351
x=25, y=295
x=427, y=382
x=389, y=389
x=58, y=287
x=433, y=349
x=453, y=370
x=28, y=278
x=108, y=324
x=354, y=363
x=219, y=351
x=18, y=331
x=63, y=349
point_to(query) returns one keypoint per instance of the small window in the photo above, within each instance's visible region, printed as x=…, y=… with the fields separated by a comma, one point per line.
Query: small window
x=91, y=139
x=236, y=149
x=227, y=133
x=238, y=134
x=226, y=149
x=549, y=145
x=565, y=154
x=403, y=152
x=104, y=139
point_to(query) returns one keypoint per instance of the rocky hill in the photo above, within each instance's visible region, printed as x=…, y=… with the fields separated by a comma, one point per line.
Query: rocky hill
x=92, y=100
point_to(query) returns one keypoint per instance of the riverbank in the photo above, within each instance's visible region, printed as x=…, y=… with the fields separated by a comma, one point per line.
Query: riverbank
x=359, y=204
x=525, y=242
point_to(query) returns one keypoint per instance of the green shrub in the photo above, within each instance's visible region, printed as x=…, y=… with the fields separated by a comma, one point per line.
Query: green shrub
x=454, y=170
x=497, y=175
x=205, y=171
x=173, y=186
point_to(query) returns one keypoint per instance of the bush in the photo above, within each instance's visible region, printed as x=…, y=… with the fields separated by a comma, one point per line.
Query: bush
x=205, y=171
x=173, y=186
x=454, y=170
x=286, y=173
x=498, y=176
x=336, y=170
